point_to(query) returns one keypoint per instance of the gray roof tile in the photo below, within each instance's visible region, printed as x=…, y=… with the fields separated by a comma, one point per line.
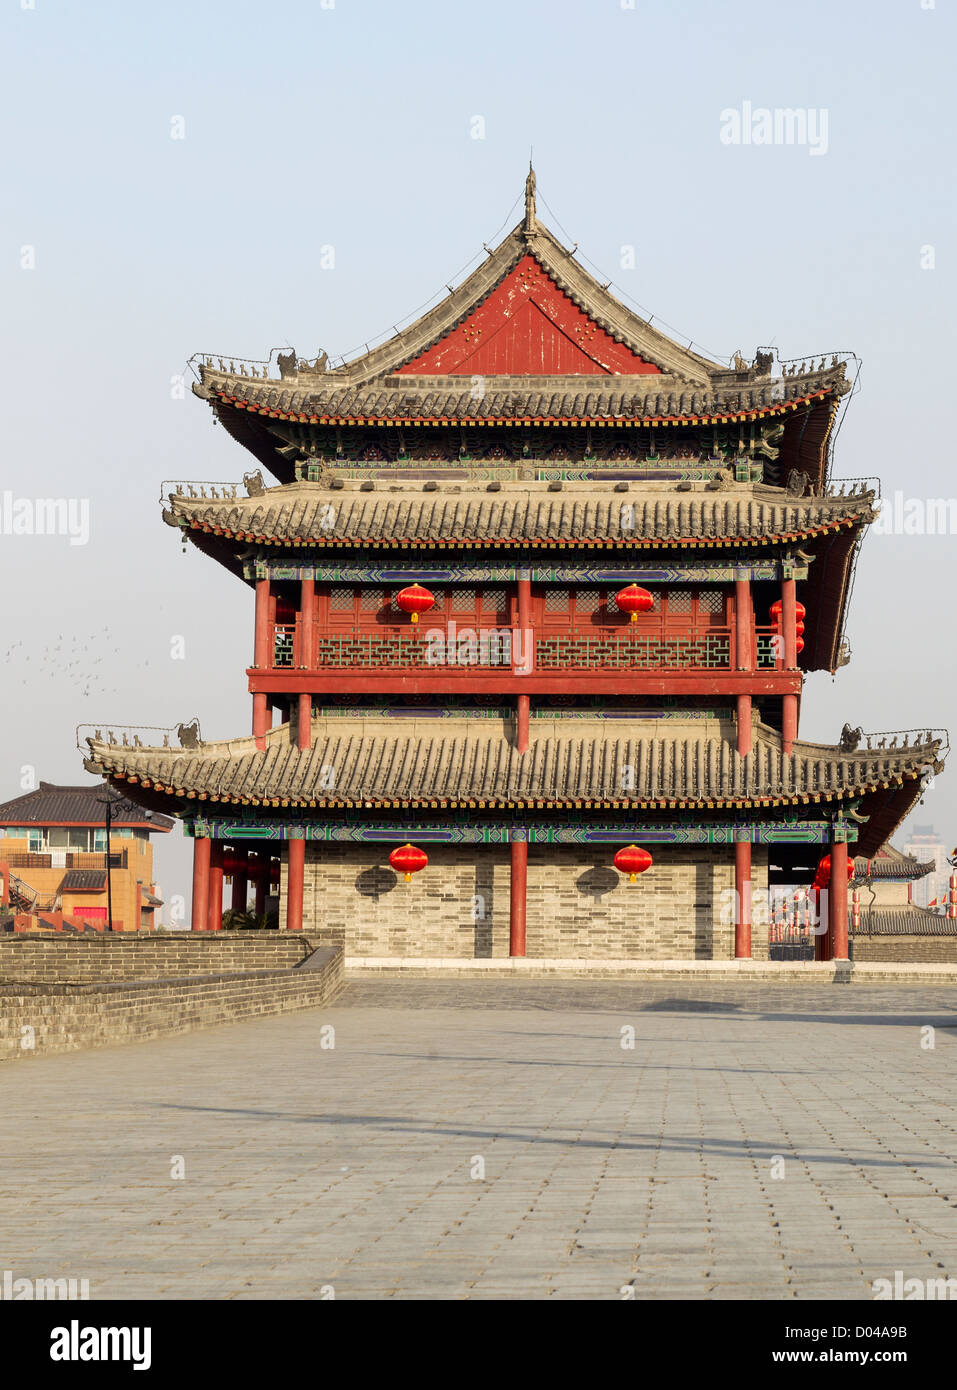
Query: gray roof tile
x=463, y=761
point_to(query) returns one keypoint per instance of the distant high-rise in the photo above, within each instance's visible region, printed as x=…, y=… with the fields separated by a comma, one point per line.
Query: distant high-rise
x=926, y=845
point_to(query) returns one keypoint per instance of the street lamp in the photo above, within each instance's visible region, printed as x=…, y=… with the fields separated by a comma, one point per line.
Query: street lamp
x=108, y=802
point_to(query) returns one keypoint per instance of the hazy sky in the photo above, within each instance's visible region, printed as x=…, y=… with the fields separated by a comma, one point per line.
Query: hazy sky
x=173, y=173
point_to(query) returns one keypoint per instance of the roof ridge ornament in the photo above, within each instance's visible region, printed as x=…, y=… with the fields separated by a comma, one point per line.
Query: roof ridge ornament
x=529, y=227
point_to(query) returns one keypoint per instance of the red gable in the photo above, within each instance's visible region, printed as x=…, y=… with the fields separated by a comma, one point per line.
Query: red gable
x=528, y=327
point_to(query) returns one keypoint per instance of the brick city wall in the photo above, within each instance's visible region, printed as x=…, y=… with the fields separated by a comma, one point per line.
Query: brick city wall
x=65, y=959
x=913, y=950
x=579, y=906
x=41, y=1018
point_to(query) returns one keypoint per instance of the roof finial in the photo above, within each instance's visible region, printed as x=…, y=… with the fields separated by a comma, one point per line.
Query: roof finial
x=530, y=197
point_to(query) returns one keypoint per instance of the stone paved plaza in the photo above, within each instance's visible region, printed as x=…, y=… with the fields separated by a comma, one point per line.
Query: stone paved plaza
x=606, y=1169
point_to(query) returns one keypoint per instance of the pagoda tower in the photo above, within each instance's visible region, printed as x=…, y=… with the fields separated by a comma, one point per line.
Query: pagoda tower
x=534, y=583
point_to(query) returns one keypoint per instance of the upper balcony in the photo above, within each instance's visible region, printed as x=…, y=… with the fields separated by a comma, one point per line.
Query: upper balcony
x=577, y=641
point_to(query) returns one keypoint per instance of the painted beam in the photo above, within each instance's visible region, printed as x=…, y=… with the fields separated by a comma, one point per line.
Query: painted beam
x=501, y=831
x=693, y=572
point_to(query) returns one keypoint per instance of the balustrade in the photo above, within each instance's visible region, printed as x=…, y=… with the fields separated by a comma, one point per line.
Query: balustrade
x=391, y=648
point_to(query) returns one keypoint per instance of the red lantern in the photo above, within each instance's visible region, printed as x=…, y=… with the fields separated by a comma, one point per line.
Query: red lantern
x=232, y=863
x=408, y=860
x=633, y=600
x=274, y=873
x=415, y=600
x=800, y=612
x=632, y=861
x=824, y=871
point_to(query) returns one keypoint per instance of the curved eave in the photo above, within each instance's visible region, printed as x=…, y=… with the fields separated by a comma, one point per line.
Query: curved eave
x=521, y=421
x=135, y=786
x=523, y=543
x=897, y=871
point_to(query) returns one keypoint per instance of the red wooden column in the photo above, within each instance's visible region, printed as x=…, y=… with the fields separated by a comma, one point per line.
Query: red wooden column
x=518, y=893
x=304, y=726
x=240, y=881
x=307, y=627
x=295, y=882
x=838, y=899
x=261, y=715
x=742, y=898
x=527, y=653
x=214, y=919
x=789, y=626
x=200, y=909
x=744, y=653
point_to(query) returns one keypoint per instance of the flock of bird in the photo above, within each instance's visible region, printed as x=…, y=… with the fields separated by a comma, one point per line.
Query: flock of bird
x=83, y=663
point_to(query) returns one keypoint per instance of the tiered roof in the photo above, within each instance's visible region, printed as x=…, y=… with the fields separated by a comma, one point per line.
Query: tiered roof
x=550, y=345
x=520, y=515
x=307, y=398
x=472, y=764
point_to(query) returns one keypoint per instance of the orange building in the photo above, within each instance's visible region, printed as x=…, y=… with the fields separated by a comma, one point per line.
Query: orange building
x=53, y=859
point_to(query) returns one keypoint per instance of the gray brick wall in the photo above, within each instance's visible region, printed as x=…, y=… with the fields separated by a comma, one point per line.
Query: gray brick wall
x=61, y=957
x=40, y=1018
x=579, y=906
x=914, y=950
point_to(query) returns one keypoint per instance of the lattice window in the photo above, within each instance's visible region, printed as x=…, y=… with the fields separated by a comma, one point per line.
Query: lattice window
x=679, y=601
x=463, y=600
x=495, y=601
x=711, y=601
x=556, y=600
x=370, y=600
x=587, y=600
x=768, y=650
x=341, y=600
x=643, y=653
x=283, y=646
